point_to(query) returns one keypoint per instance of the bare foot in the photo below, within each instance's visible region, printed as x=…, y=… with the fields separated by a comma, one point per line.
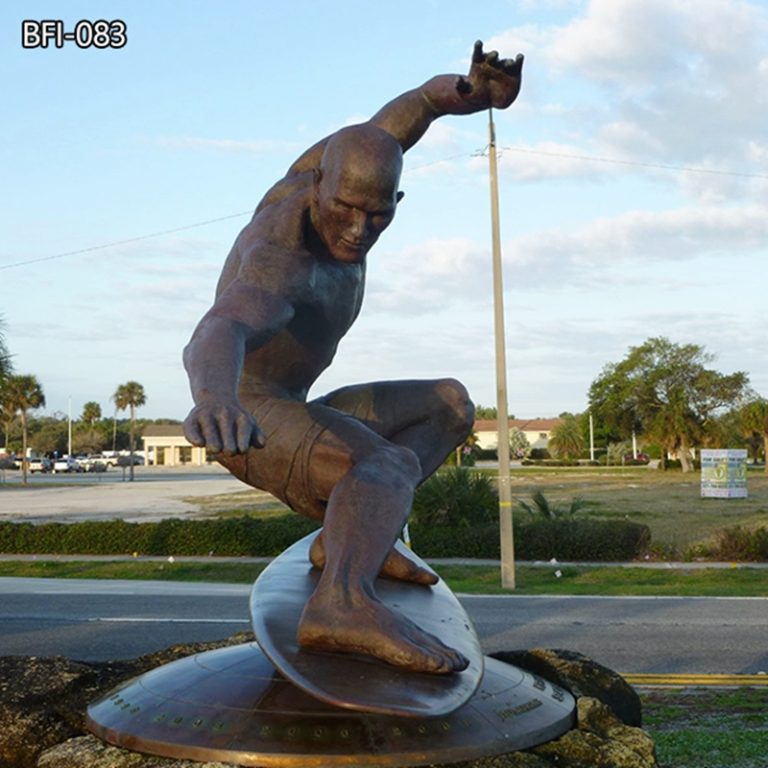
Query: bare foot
x=365, y=626
x=398, y=565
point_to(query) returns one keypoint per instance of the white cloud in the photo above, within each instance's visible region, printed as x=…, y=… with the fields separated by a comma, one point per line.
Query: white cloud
x=639, y=237
x=677, y=82
x=422, y=276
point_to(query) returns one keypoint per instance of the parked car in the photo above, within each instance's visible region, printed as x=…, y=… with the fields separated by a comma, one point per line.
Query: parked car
x=40, y=465
x=125, y=461
x=66, y=464
x=108, y=461
x=94, y=463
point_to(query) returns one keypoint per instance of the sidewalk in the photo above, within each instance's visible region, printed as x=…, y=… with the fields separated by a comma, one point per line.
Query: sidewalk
x=434, y=561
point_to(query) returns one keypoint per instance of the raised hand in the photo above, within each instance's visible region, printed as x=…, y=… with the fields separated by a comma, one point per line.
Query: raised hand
x=491, y=82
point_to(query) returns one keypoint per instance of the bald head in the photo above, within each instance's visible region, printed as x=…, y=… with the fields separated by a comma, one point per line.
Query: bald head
x=364, y=152
x=355, y=192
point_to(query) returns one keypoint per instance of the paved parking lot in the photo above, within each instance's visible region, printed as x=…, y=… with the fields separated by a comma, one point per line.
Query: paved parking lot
x=156, y=492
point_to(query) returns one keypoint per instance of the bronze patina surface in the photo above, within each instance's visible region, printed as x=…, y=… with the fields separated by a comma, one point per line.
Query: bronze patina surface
x=386, y=665
x=231, y=705
x=360, y=683
x=291, y=288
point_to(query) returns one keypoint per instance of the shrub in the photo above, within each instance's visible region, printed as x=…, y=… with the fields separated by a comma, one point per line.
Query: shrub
x=455, y=498
x=737, y=543
x=563, y=539
x=677, y=464
x=477, y=541
x=576, y=539
x=238, y=536
x=542, y=507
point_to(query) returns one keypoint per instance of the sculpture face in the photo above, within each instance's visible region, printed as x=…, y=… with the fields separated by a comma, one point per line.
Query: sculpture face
x=351, y=215
x=355, y=193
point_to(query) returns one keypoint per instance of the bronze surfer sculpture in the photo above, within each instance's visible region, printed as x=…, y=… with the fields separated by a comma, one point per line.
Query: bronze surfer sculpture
x=290, y=289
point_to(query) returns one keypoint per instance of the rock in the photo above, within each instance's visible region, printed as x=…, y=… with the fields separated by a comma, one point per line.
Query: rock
x=43, y=702
x=600, y=740
x=582, y=677
x=89, y=752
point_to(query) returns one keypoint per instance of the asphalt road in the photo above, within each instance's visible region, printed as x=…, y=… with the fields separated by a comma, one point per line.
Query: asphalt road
x=100, y=620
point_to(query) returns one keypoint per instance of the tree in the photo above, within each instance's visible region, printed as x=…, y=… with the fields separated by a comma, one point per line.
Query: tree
x=48, y=435
x=566, y=441
x=130, y=395
x=665, y=392
x=86, y=437
x=7, y=415
x=6, y=369
x=519, y=447
x=24, y=394
x=754, y=418
x=91, y=413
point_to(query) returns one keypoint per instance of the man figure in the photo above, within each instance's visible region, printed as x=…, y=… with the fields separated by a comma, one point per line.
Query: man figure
x=290, y=289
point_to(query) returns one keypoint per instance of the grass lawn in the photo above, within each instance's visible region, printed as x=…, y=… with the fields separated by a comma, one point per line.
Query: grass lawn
x=466, y=579
x=668, y=502
x=708, y=728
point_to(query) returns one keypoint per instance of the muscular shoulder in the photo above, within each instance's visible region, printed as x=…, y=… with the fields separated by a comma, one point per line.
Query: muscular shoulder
x=270, y=250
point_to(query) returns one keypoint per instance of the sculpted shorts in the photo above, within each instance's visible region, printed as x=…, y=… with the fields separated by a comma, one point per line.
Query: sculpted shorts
x=282, y=467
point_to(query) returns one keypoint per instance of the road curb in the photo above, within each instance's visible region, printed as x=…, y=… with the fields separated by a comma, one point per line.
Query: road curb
x=684, y=681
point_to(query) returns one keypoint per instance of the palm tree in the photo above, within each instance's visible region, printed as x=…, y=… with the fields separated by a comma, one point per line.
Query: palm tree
x=23, y=394
x=7, y=416
x=5, y=357
x=567, y=440
x=90, y=415
x=130, y=395
x=754, y=416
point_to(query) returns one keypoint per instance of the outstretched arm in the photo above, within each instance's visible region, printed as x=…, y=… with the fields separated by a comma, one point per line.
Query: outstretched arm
x=243, y=318
x=491, y=82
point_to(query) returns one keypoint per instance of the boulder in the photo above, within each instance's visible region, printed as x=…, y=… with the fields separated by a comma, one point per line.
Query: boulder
x=582, y=677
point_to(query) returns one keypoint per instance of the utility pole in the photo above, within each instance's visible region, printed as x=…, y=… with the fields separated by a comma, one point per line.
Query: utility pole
x=505, y=490
x=69, y=428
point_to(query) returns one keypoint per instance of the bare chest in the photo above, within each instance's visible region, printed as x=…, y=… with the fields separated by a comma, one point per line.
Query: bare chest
x=329, y=301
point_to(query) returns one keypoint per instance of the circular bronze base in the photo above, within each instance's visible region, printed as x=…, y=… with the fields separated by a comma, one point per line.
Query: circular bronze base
x=232, y=706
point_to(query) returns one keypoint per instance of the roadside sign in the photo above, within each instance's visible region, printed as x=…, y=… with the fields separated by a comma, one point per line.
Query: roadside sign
x=724, y=473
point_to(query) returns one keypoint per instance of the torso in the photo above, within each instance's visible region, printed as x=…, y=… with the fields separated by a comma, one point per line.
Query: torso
x=326, y=297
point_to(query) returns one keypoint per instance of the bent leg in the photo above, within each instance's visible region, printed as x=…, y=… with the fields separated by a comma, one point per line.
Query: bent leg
x=430, y=417
x=368, y=483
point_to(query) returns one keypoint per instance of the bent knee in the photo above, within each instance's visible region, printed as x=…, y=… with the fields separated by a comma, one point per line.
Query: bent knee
x=456, y=405
x=398, y=459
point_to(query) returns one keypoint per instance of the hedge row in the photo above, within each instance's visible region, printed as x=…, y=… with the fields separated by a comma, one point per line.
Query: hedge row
x=737, y=543
x=563, y=539
x=239, y=536
x=572, y=539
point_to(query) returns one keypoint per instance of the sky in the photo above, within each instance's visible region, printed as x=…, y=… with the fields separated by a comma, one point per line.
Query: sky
x=633, y=182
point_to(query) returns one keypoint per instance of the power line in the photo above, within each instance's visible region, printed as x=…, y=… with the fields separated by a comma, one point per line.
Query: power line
x=636, y=163
x=126, y=241
x=477, y=153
